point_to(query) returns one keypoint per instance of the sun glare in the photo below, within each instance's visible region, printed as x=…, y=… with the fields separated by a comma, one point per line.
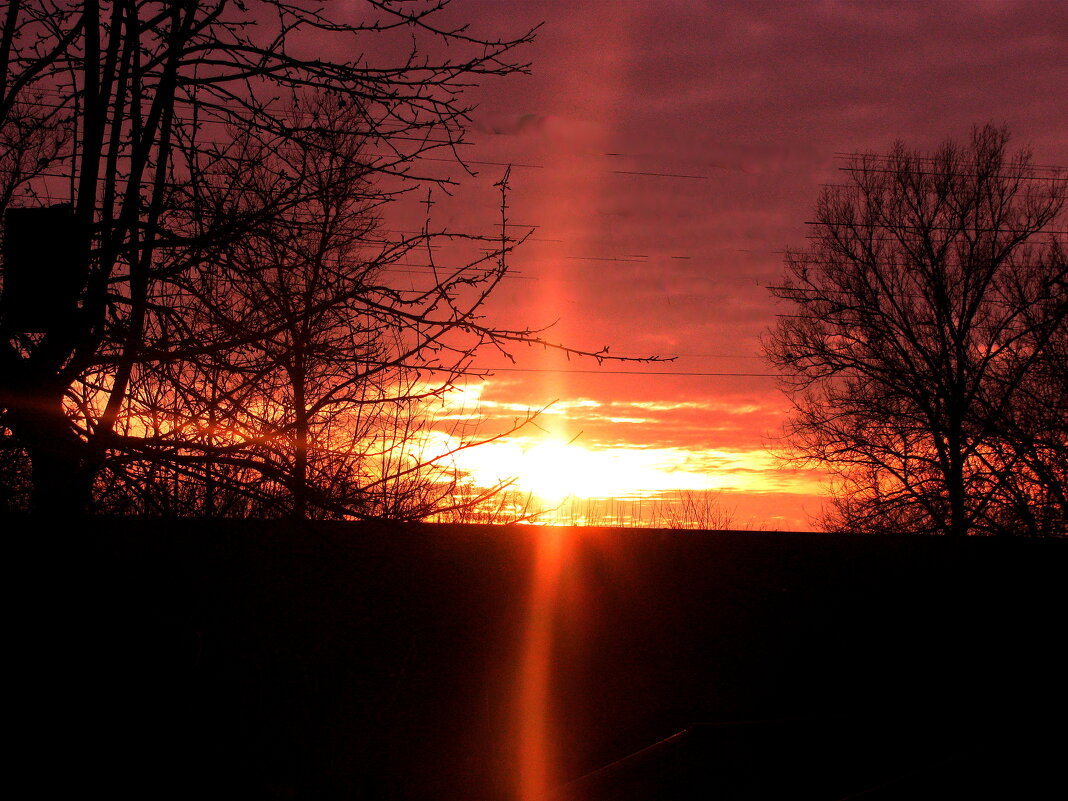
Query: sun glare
x=544, y=469
x=554, y=470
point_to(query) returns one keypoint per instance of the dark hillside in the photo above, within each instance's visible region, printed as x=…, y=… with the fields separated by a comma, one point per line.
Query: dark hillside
x=242, y=659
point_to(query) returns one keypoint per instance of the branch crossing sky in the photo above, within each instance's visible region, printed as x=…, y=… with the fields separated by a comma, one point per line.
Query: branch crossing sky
x=664, y=154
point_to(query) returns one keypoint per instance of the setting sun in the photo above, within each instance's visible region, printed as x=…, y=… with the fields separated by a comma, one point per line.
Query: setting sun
x=554, y=469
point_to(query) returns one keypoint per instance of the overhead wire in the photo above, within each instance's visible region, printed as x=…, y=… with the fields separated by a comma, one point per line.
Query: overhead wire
x=417, y=268
x=693, y=373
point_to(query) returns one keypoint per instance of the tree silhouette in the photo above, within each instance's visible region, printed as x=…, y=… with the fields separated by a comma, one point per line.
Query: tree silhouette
x=925, y=359
x=228, y=313
x=311, y=371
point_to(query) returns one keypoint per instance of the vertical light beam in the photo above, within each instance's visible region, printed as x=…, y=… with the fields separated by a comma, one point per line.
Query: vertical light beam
x=536, y=758
x=596, y=71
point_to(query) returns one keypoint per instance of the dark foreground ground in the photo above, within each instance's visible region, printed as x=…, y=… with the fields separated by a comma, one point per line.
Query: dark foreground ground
x=208, y=660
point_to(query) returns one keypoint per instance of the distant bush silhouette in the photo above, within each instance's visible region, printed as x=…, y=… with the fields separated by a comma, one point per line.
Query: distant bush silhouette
x=927, y=345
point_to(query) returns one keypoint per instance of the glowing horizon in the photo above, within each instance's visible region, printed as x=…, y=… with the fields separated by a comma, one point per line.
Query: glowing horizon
x=544, y=465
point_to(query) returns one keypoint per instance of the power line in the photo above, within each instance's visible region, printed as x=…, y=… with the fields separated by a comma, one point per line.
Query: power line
x=882, y=157
x=628, y=372
x=427, y=144
x=662, y=174
x=1021, y=176
x=962, y=229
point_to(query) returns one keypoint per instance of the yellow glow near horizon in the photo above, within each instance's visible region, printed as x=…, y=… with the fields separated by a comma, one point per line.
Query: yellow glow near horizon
x=554, y=469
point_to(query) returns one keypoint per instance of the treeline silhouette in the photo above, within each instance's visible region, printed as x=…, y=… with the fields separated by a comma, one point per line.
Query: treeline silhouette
x=927, y=361
x=206, y=323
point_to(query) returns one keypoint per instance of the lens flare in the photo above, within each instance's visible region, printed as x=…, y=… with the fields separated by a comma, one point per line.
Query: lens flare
x=536, y=758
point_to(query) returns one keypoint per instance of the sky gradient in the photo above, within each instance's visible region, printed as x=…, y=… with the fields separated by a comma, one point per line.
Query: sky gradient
x=664, y=155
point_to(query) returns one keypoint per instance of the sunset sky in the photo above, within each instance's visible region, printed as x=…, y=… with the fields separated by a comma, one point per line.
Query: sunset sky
x=664, y=155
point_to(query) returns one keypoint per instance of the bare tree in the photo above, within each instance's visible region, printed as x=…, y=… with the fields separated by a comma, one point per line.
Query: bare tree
x=191, y=141
x=925, y=354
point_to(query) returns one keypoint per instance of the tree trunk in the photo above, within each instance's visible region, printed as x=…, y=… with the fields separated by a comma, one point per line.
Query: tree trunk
x=958, y=516
x=61, y=472
x=300, y=445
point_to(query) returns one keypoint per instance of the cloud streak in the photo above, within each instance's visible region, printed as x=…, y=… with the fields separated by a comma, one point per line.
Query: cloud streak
x=756, y=99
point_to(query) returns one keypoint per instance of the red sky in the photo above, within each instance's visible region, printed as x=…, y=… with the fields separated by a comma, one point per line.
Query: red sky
x=749, y=102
